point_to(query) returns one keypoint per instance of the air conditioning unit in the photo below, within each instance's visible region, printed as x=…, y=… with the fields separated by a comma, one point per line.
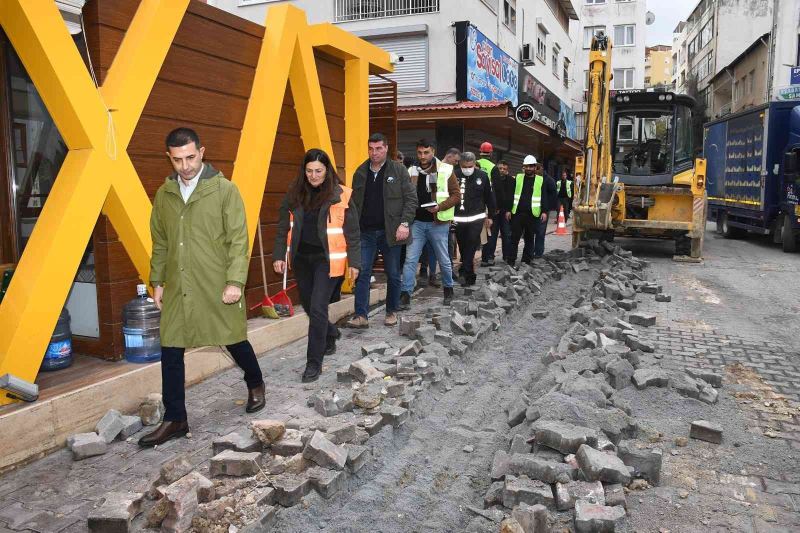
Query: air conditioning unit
x=527, y=54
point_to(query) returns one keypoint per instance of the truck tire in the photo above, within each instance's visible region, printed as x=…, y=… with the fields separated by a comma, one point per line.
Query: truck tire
x=728, y=232
x=788, y=235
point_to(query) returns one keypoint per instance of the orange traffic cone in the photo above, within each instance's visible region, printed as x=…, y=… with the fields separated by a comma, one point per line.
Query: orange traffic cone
x=562, y=223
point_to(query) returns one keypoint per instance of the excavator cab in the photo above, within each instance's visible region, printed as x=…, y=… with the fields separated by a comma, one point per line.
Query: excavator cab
x=651, y=137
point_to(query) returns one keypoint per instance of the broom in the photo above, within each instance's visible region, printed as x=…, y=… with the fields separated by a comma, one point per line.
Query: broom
x=267, y=307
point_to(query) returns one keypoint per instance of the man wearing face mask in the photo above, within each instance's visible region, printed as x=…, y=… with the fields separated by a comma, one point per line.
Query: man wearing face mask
x=533, y=199
x=470, y=216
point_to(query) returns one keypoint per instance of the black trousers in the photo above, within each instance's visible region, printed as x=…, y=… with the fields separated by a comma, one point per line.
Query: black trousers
x=567, y=204
x=468, y=235
x=173, y=376
x=316, y=287
x=533, y=230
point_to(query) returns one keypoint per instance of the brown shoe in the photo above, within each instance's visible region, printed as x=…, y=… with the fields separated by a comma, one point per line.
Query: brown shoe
x=255, y=399
x=358, y=322
x=166, y=431
x=390, y=320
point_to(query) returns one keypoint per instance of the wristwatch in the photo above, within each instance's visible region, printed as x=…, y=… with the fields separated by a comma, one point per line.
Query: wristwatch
x=404, y=224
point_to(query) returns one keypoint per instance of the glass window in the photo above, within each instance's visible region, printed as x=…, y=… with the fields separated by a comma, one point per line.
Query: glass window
x=589, y=32
x=624, y=35
x=566, y=72
x=643, y=143
x=595, y=1
x=623, y=78
x=510, y=14
x=555, y=62
x=692, y=48
x=541, y=48
x=683, y=136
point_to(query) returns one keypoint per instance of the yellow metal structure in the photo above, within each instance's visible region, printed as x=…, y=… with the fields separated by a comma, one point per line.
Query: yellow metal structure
x=97, y=151
x=601, y=202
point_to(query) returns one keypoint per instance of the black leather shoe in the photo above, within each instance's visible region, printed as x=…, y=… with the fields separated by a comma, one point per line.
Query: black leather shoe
x=405, y=300
x=165, y=432
x=255, y=399
x=330, y=345
x=311, y=373
x=448, y=295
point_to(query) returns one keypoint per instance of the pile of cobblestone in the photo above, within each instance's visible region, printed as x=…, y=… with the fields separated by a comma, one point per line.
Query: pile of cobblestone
x=573, y=450
x=256, y=470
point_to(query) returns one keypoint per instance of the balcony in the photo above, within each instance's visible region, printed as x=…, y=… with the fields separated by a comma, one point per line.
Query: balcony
x=349, y=10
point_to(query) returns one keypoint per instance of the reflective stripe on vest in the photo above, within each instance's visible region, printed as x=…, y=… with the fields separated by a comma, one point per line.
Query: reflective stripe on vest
x=337, y=244
x=443, y=173
x=472, y=218
x=536, y=196
x=569, y=187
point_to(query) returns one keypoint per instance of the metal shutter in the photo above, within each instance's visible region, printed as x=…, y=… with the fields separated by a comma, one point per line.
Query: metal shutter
x=411, y=74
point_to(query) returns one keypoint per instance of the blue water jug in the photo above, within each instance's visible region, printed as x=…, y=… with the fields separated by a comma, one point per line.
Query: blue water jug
x=141, y=320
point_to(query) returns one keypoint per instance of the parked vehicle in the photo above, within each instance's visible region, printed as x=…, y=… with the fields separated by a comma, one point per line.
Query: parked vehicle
x=753, y=172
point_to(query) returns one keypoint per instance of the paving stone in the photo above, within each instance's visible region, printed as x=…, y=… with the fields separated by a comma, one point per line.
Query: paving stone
x=650, y=377
x=615, y=495
x=592, y=518
x=519, y=490
x=519, y=444
x=412, y=349
x=116, y=512
x=500, y=464
x=231, y=463
x=646, y=462
x=326, y=482
x=709, y=376
x=708, y=394
x=110, y=425
x=357, y=457
x=407, y=326
x=264, y=522
x=426, y=335
x=568, y=493
x=635, y=342
x=268, y=431
x=537, y=468
x=368, y=396
x=434, y=374
x=395, y=389
x=443, y=337
x=642, y=319
x=372, y=424
x=290, y=443
x=620, y=373
x=85, y=445
x=707, y=431
x=181, y=502
x=236, y=441
x=627, y=305
x=532, y=518
x=375, y=349
x=661, y=297
x=494, y=494
x=394, y=415
x=509, y=525
x=516, y=411
x=457, y=347
x=151, y=410
x=173, y=469
x=540, y=314
x=290, y=488
x=363, y=371
x=597, y=465
x=325, y=453
x=131, y=426
x=566, y=438
x=341, y=433
x=457, y=324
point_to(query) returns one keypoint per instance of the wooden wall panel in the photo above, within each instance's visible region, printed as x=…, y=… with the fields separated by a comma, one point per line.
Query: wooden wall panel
x=204, y=84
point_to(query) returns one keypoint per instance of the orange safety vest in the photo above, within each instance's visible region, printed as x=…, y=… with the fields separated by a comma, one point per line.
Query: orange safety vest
x=337, y=245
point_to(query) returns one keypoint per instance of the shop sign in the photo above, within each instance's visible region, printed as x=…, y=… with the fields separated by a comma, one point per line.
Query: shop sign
x=525, y=113
x=484, y=72
x=795, y=76
x=789, y=93
x=548, y=108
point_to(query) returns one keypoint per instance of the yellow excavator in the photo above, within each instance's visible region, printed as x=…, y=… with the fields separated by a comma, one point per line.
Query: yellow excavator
x=637, y=175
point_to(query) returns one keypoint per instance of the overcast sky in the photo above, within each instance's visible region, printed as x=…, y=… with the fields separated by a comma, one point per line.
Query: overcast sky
x=668, y=13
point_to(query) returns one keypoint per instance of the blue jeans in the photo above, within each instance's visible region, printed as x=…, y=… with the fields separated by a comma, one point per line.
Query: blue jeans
x=500, y=228
x=372, y=242
x=428, y=260
x=437, y=236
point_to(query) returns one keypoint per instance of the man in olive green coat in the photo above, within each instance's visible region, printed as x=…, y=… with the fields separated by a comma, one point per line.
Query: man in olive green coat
x=198, y=272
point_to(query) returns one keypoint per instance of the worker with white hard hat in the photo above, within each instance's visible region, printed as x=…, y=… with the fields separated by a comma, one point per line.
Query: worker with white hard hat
x=533, y=199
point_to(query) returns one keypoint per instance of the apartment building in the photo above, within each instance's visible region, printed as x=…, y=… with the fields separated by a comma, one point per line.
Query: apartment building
x=624, y=22
x=463, y=68
x=658, y=67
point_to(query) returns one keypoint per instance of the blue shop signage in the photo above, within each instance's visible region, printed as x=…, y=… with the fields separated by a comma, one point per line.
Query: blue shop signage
x=484, y=72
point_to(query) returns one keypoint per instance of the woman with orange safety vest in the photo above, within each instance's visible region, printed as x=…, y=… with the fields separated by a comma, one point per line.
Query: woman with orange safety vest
x=318, y=235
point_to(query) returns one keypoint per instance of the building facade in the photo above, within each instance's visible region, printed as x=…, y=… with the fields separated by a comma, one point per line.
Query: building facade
x=679, y=58
x=715, y=33
x=514, y=52
x=658, y=67
x=624, y=22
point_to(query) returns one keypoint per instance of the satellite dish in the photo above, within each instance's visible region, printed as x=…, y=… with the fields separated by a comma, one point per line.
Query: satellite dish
x=649, y=18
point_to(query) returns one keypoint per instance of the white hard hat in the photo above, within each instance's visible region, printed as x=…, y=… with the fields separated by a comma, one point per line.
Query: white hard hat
x=529, y=160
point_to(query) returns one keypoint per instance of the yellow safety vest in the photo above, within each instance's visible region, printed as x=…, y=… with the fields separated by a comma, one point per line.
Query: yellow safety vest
x=486, y=165
x=569, y=187
x=443, y=173
x=536, y=196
